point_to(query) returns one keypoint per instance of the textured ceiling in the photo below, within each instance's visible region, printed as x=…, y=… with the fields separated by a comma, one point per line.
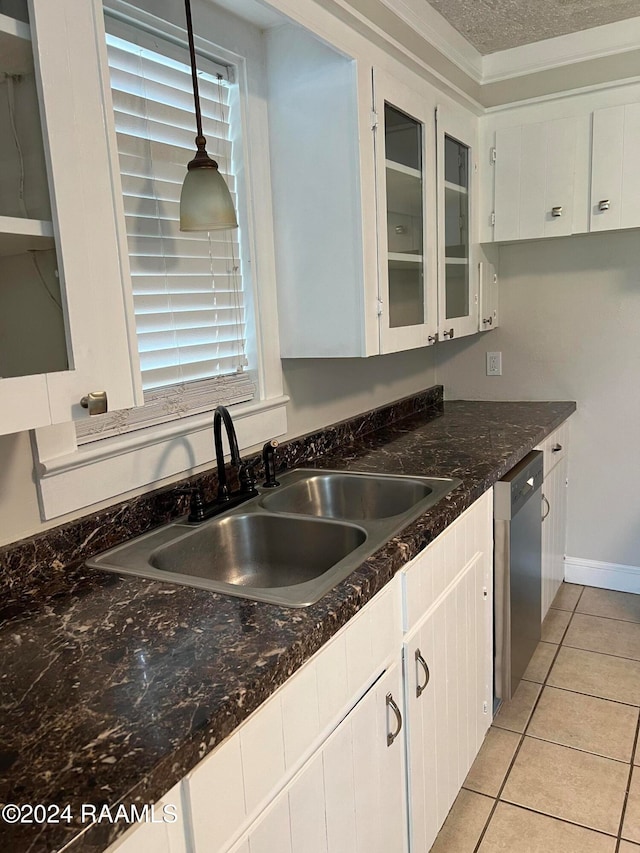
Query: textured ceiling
x=492, y=25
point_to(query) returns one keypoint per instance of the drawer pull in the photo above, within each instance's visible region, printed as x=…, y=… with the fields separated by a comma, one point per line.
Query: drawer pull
x=605, y=204
x=556, y=211
x=420, y=688
x=556, y=448
x=391, y=736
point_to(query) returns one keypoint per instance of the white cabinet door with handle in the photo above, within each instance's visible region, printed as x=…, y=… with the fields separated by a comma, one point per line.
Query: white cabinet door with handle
x=447, y=662
x=350, y=794
x=615, y=171
x=534, y=180
x=67, y=328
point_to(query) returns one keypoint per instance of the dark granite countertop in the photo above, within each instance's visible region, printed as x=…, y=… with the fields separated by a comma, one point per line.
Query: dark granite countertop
x=113, y=688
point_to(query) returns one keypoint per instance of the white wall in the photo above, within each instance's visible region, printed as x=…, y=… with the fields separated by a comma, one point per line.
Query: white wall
x=570, y=315
x=322, y=392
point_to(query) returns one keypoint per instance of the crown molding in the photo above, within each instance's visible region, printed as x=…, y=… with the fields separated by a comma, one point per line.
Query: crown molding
x=438, y=32
x=582, y=46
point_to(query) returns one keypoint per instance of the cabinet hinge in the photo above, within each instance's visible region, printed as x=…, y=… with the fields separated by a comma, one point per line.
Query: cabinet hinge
x=485, y=708
x=379, y=307
x=493, y=218
x=485, y=592
x=374, y=119
x=492, y=155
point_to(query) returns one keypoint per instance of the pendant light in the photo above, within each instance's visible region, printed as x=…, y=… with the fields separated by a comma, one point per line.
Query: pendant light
x=205, y=200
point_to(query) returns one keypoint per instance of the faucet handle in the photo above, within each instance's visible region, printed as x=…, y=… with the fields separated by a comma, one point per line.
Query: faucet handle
x=196, y=502
x=247, y=479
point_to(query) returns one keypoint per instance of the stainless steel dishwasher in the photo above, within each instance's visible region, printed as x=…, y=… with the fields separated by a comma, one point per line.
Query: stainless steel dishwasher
x=518, y=572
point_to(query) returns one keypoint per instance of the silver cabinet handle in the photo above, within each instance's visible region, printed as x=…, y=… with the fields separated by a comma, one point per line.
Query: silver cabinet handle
x=556, y=448
x=488, y=321
x=556, y=211
x=432, y=339
x=448, y=334
x=96, y=402
x=420, y=688
x=605, y=204
x=545, y=499
x=391, y=736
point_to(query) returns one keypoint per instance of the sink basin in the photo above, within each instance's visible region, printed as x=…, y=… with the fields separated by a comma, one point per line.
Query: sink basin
x=290, y=546
x=263, y=551
x=352, y=496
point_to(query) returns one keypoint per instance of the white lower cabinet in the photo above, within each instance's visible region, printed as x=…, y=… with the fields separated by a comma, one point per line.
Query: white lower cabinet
x=554, y=513
x=448, y=664
x=446, y=659
x=363, y=749
x=554, y=526
x=311, y=767
x=350, y=794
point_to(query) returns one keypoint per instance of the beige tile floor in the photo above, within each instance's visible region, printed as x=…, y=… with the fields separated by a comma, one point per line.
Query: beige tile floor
x=559, y=771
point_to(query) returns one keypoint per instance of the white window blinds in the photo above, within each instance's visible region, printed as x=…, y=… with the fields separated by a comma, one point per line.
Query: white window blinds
x=187, y=287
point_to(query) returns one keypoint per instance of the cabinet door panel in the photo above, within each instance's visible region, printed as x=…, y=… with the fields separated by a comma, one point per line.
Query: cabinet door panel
x=458, y=303
x=339, y=791
x=488, y=282
x=447, y=718
x=87, y=211
x=406, y=203
x=273, y=831
x=553, y=532
x=534, y=174
x=630, y=217
x=507, y=184
x=350, y=795
x=561, y=148
x=533, y=152
x=606, y=175
x=306, y=806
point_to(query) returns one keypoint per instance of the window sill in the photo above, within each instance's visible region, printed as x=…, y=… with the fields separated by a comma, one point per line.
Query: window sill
x=70, y=478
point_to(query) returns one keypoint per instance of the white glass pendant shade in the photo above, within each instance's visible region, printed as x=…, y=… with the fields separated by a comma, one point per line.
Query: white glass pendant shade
x=205, y=201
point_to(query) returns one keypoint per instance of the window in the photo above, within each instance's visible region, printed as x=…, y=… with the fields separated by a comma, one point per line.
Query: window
x=189, y=299
x=97, y=459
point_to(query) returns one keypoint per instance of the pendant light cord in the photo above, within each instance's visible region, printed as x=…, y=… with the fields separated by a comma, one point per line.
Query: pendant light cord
x=194, y=73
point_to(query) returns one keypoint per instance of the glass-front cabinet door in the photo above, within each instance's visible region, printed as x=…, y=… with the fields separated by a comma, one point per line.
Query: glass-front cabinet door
x=63, y=314
x=457, y=273
x=406, y=215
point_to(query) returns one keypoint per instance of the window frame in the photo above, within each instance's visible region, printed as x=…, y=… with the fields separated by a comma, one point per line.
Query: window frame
x=71, y=476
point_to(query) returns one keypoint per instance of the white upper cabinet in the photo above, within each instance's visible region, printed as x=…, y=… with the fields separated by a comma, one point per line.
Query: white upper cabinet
x=615, y=181
x=355, y=199
x=406, y=184
x=457, y=179
x=65, y=305
x=534, y=180
x=563, y=167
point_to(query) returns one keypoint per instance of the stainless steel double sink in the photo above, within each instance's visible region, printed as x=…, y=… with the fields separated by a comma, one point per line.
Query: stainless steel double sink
x=287, y=546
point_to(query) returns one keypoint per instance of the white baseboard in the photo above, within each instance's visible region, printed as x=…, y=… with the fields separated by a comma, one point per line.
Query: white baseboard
x=603, y=575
